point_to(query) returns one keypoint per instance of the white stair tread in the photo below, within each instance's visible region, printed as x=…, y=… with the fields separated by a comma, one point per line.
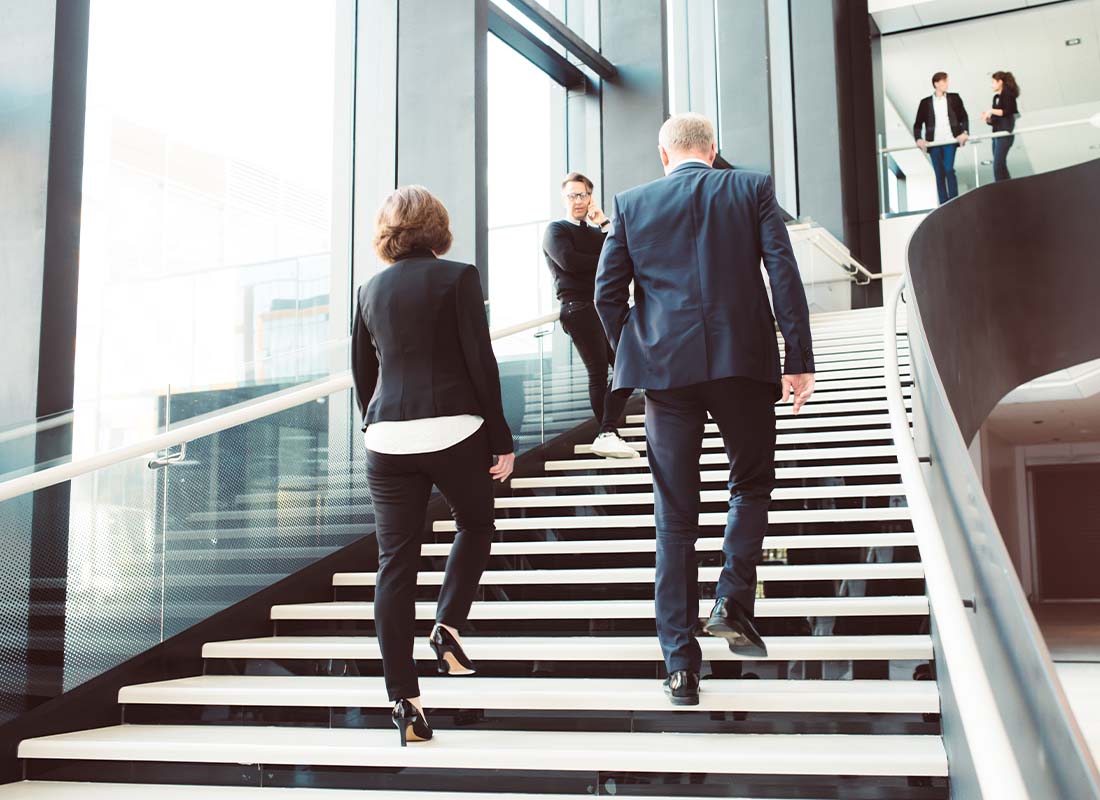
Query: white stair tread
x=806, y=541
x=809, y=454
x=582, y=648
x=706, y=496
x=705, y=519
x=881, y=420
x=801, y=754
x=63, y=790
x=907, y=605
x=811, y=409
x=603, y=694
x=603, y=575
x=708, y=476
x=716, y=443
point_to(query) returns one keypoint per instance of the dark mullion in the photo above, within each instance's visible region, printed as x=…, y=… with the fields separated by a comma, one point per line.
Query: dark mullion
x=534, y=50
x=564, y=35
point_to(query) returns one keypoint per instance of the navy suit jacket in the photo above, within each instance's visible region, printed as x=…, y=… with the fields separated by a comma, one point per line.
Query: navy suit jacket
x=692, y=242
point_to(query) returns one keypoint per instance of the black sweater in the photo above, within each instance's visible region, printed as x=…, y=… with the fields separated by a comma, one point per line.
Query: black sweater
x=572, y=253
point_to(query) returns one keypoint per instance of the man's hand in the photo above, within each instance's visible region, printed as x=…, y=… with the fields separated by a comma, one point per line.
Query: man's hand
x=961, y=138
x=502, y=470
x=595, y=215
x=923, y=145
x=802, y=386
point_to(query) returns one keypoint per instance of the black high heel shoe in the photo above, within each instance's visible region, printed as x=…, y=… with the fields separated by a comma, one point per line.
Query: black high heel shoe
x=450, y=658
x=411, y=723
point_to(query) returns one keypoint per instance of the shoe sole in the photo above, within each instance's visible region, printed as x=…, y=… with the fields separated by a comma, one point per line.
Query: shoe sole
x=736, y=639
x=616, y=454
x=682, y=701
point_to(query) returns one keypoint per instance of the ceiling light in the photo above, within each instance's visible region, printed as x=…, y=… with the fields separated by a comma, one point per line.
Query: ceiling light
x=1072, y=42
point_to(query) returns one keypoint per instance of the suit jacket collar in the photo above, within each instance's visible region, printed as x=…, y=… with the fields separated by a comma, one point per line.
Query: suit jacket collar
x=686, y=165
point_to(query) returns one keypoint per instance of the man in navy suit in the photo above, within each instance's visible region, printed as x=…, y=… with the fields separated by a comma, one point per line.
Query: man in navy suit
x=700, y=338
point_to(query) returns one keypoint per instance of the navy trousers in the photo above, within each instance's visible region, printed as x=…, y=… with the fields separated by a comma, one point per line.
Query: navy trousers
x=744, y=410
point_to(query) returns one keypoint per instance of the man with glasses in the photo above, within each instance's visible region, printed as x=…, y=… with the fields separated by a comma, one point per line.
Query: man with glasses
x=572, y=248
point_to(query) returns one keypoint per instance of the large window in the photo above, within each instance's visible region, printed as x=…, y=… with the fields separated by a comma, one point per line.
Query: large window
x=526, y=151
x=215, y=202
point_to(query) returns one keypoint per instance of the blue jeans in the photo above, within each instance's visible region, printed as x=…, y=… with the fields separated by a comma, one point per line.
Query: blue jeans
x=674, y=420
x=1000, y=157
x=943, y=164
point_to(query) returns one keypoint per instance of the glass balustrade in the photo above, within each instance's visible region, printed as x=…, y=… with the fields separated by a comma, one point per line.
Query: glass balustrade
x=909, y=181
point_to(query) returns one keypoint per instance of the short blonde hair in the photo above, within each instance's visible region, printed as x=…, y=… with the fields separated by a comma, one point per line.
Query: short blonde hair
x=687, y=133
x=410, y=219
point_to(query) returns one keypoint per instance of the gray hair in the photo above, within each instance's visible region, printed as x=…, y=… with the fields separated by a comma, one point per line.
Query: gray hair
x=687, y=133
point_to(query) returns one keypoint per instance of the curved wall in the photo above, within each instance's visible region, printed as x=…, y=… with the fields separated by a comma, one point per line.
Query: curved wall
x=1007, y=279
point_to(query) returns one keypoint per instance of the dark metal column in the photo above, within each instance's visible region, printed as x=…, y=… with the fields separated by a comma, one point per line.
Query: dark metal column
x=744, y=95
x=442, y=121
x=635, y=103
x=835, y=125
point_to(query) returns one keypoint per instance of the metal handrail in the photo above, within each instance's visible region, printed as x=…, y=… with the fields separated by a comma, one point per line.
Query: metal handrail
x=981, y=137
x=215, y=423
x=987, y=738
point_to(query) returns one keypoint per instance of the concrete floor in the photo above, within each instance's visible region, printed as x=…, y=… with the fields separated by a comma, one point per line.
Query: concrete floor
x=1072, y=632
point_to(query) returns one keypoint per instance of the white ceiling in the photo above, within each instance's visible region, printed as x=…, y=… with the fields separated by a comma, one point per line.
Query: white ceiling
x=1058, y=83
x=1048, y=422
x=1063, y=406
x=901, y=15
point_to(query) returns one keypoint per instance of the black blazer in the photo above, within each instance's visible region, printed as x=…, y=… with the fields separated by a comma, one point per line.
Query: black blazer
x=421, y=348
x=692, y=243
x=925, y=126
x=1006, y=101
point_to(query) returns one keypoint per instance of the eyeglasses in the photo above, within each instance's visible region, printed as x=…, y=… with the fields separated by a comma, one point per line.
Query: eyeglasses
x=572, y=198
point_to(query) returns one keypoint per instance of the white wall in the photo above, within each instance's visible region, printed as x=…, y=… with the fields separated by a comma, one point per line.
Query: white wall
x=894, y=235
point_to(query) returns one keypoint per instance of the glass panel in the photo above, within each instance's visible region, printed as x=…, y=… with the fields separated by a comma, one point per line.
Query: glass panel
x=101, y=569
x=524, y=186
x=215, y=201
x=1029, y=152
x=544, y=384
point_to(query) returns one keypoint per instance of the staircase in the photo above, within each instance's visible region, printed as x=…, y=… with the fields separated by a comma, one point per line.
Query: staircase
x=568, y=700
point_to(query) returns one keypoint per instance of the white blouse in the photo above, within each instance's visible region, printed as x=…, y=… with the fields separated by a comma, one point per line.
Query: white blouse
x=428, y=435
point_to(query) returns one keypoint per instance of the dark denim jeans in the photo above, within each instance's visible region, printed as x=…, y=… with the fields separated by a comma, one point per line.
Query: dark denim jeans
x=943, y=164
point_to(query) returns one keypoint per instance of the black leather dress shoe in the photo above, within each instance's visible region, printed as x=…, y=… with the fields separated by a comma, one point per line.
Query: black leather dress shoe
x=682, y=687
x=729, y=621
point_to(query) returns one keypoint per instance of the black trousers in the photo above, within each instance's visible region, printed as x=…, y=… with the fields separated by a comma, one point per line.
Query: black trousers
x=400, y=487
x=580, y=322
x=744, y=410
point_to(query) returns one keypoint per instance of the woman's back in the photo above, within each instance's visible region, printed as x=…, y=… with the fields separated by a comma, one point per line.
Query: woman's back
x=422, y=346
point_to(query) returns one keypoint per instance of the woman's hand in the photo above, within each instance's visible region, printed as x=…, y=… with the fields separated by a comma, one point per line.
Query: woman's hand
x=502, y=470
x=986, y=115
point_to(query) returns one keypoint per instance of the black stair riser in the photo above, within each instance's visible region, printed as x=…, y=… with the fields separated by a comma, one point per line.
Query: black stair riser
x=474, y=718
x=769, y=626
x=869, y=669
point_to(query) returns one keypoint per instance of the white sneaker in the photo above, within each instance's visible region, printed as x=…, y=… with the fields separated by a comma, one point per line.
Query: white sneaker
x=609, y=445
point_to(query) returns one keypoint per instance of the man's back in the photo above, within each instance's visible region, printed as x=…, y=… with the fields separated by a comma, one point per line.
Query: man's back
x=692, y=242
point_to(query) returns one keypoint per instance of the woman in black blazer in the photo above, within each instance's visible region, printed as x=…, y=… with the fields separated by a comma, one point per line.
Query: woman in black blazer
x=427, y=384
x=1002, y=116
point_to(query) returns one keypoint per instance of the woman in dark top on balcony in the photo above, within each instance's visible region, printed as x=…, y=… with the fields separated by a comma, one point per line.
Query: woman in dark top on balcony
x=1002, y=116
x=427, y=384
